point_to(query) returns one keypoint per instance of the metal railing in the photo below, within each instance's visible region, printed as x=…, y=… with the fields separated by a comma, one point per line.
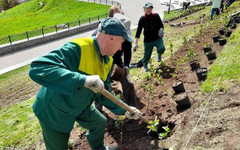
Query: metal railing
x=55, y=29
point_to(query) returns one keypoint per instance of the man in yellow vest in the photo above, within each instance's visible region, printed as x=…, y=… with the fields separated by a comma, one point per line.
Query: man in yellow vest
x=71, y=79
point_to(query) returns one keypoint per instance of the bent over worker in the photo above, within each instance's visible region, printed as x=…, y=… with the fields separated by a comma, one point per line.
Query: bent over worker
x=71, y=79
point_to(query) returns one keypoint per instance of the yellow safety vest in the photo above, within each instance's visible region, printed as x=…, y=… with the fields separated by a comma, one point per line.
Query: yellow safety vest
x=90, y=62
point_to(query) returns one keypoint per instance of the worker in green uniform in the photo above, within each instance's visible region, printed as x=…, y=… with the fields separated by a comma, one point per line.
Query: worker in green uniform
x=71, y=79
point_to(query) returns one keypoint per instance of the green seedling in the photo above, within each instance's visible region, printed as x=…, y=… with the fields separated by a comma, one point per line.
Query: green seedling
x=153, y=125
x=119, y=124
x=118, y=96
x=119, y=121
x=143, y=85
x=206, y=44
x=148, y=76
x=165, y=134
x=70, y=143
x=203, y=102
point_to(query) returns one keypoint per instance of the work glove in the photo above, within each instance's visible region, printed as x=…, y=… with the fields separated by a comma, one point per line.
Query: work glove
x=135, y=47
x=134, y=116
x=160, y=32
x=94, y=83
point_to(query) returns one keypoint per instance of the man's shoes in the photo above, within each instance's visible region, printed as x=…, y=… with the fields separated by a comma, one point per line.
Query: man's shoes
x=146, y=68
x=112, y=147
x=159, y=58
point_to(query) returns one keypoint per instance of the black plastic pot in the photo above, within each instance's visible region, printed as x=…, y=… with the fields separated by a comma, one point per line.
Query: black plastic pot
x=228, y=33
x=194, y=64
x=207, y=48
x=215, y=38
x=237, y=19
x=211, y=55
x=182, y=101
x=234, y=26
x=221, y=31
x=178, y=87
x=222, y=41
x=201, y=73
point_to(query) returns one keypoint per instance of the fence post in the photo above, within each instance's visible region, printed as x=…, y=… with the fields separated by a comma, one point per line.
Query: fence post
x=89, y=20
x=94, y=1
x=42, y=32
x=98, y=18
x=68, y=25
x=106, y=15
x=56, y=28
x=27, y=35
x=106, y=1
x=100, y=1
x=79, y=22
x=112, y=2
x=10, y=41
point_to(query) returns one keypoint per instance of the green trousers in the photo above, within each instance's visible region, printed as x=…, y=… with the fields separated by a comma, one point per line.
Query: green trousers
x=148, y=48
x=92, y=120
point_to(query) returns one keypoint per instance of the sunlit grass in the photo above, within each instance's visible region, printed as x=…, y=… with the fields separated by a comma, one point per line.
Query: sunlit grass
x=19, y=126
x=38, y=13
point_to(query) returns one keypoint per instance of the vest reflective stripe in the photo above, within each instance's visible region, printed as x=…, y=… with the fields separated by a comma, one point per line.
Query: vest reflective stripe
x=90, y=62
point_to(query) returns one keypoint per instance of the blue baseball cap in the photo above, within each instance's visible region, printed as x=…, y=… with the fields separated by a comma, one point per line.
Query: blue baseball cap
x=114, y=26
x=148, y=4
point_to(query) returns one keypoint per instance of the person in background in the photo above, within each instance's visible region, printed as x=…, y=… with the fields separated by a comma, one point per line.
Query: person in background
x=72, y=78
x=153, y=33
x=229, y=2
x=222, y=6
x=116, y=12
x=185, y=5
x=215, y=7
x=121, y=69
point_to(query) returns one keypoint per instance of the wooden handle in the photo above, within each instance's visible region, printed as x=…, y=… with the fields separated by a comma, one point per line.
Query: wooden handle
x=121, y=104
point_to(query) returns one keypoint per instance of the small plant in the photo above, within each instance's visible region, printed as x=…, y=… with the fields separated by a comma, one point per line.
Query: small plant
x=143, y=85
x=164, y=134
x=70, y=143
x=185, y=41
x=201, y=31
x=119, y=122
x=207, y=44
x=153, y=124
x=148, y=76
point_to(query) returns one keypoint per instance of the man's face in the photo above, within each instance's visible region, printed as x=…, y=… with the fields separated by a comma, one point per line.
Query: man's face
x=115, y=44
x=148, y=10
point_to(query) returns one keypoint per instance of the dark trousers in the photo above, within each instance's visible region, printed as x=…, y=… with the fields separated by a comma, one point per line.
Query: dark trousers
x=229, y=2
x=127, y=50
x=221, y=7
x=214, y=10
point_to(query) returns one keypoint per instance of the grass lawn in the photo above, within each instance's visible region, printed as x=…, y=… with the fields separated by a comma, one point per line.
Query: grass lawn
x=38, y=13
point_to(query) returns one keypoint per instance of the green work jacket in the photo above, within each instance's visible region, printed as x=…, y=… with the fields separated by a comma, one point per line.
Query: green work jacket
x=62, y=74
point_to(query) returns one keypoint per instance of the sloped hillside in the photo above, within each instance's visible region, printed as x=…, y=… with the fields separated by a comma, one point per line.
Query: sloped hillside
x=38, y=13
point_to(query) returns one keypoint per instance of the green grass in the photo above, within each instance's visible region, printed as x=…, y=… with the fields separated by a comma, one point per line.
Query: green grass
x=32, y=15
x=225, y=70
x=19, y=126
x=12, y=77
